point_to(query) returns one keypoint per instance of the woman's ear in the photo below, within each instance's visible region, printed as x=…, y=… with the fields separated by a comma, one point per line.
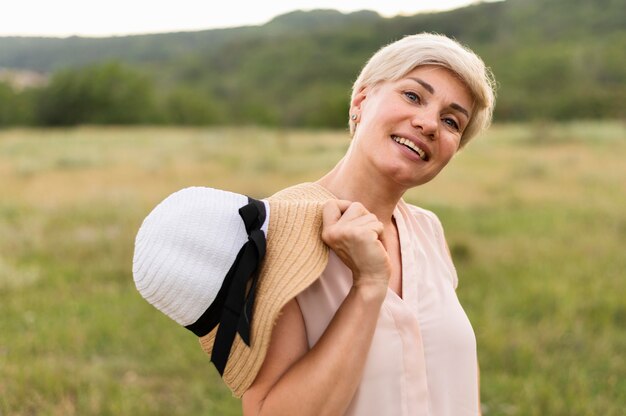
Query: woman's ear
x=356, y=105
x=357, y=101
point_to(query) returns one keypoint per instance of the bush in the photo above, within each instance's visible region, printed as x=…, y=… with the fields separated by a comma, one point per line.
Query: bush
x=15, y=106
x=108, y=93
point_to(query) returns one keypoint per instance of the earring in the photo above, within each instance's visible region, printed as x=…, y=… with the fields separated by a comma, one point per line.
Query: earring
x=354, y=117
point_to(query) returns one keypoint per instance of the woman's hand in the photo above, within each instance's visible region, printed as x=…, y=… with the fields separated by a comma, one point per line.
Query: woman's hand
x=354, y=234
x=321, y=380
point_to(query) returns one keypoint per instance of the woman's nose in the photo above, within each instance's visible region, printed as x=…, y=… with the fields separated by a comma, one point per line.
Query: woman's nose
x=427, y=122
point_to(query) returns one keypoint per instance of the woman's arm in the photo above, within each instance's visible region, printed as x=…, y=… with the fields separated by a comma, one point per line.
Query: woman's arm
x=322, y=381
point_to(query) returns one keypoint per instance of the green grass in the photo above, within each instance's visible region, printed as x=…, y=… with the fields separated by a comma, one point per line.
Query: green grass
x=535, y=216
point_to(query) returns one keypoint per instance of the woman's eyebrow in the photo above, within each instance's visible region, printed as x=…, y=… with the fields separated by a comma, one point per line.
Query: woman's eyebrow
x=424, y=84
x=460, y=109
x=431, y=90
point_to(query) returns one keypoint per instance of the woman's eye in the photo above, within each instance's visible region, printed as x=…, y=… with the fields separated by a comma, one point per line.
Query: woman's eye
x=452, y=123
x=412, y=96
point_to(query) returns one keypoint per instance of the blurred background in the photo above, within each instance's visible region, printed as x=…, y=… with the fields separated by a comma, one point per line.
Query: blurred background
x=100, y=123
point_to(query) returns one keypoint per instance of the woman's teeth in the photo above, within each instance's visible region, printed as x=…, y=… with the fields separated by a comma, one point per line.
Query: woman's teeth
x=410, y=145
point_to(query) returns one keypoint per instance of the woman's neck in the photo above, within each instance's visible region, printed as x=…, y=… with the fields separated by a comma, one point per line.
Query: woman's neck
x=347, y=181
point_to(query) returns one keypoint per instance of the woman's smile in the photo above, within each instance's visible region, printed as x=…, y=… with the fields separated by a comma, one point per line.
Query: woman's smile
x=413, y=146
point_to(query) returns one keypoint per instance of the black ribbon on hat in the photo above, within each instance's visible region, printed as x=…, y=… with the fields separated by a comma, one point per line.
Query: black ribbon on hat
x=232, y=308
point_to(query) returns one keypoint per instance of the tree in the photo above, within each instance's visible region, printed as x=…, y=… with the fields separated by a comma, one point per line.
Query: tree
x=187, y=106
x=108, y=93
x=15, y=106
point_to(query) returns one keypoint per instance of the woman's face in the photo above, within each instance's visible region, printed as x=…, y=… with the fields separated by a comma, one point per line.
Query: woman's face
x=409, y=129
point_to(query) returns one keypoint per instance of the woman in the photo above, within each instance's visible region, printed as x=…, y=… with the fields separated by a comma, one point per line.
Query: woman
x=381, y=332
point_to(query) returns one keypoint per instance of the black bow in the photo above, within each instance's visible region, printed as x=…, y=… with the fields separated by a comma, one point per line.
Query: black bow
x=232, y=309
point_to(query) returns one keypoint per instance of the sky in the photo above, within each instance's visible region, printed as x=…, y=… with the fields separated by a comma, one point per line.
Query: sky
x=61, y=18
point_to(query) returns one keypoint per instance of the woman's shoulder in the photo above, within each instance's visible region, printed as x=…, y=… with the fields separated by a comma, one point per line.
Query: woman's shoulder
x=421, y=215
x=430, y=223
x=425, y=220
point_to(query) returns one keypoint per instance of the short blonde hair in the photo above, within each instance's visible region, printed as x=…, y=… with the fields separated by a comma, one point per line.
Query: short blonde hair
x=397, y=59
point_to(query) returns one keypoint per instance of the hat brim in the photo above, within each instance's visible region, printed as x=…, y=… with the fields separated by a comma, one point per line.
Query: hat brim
x=296, y=256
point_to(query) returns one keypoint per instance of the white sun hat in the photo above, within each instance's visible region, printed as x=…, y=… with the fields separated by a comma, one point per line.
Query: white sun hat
x=222, y=264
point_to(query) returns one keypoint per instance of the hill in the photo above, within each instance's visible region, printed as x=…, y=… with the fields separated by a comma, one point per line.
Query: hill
x=559, y=59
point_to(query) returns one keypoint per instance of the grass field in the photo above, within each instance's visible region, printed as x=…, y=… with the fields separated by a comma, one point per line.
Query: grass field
x=535, y=215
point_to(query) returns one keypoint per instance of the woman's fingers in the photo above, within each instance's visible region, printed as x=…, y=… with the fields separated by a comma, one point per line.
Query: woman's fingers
x=346, y=220
x=371, y=221
x=341, y=210
x=355, y=235
x=333, y=210
x=354, y=210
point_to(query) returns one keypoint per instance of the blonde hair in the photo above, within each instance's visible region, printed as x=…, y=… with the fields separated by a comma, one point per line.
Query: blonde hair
x=397, y=59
